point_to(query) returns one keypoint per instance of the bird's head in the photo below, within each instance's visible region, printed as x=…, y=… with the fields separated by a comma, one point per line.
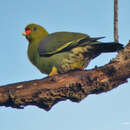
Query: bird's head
x=34, y=32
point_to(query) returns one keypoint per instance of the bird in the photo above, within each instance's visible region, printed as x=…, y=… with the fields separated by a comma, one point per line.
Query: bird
x=61, y=52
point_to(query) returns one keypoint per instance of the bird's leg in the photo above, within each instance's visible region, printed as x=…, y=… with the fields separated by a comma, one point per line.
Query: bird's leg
x=54, y=71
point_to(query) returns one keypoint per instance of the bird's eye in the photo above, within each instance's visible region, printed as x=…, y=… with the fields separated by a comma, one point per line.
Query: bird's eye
x=35, y=29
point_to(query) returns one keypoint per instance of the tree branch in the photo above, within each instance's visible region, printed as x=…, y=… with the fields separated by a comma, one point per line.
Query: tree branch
x=116, y=38
x=74, y=86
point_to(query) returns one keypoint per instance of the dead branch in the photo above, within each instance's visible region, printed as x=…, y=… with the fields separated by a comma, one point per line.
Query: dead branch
x=74, y=86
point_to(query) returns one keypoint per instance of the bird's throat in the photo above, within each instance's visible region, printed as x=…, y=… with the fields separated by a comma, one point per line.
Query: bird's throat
x=33, y=52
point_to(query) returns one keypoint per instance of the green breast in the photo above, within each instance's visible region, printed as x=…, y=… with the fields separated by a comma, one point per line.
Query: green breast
x=44, y=64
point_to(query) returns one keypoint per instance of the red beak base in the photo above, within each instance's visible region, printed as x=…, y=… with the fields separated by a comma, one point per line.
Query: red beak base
x=28, y=31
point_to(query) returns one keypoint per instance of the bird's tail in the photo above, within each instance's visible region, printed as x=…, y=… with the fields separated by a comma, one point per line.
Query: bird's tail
x=108, y=47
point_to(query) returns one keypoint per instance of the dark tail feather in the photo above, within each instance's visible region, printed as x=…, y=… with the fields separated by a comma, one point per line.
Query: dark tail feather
x=108, y=47
x=96, y=38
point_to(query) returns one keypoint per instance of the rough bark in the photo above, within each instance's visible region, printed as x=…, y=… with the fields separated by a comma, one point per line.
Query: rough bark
x=74, y=86
x=116, y=37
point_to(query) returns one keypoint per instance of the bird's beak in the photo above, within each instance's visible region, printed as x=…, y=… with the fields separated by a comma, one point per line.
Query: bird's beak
x=24, y=34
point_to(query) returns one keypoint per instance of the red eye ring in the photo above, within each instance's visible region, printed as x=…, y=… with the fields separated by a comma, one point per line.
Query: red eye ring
x=28, y=31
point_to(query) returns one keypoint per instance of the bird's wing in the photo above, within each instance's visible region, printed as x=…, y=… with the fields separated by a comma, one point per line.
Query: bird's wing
x=63, y=41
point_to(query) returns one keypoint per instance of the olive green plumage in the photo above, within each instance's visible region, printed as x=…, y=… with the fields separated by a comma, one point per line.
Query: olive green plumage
x=63, y=50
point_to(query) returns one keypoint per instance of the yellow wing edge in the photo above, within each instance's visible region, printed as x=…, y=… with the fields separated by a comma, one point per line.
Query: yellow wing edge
x=66, y=45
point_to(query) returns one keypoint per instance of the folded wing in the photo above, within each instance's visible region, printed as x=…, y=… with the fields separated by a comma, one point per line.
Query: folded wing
x=63, y=41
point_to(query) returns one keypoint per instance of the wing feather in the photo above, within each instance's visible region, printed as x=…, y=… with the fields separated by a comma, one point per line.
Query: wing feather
x=63, y=41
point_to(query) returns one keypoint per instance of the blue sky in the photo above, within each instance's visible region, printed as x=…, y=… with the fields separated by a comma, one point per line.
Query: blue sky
x=107, y=111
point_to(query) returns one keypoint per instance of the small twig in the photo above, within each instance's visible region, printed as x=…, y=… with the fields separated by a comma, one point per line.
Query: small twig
x=116, y=38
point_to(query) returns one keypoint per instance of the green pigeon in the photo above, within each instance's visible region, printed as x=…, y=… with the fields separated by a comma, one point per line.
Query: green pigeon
x=60, y=52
